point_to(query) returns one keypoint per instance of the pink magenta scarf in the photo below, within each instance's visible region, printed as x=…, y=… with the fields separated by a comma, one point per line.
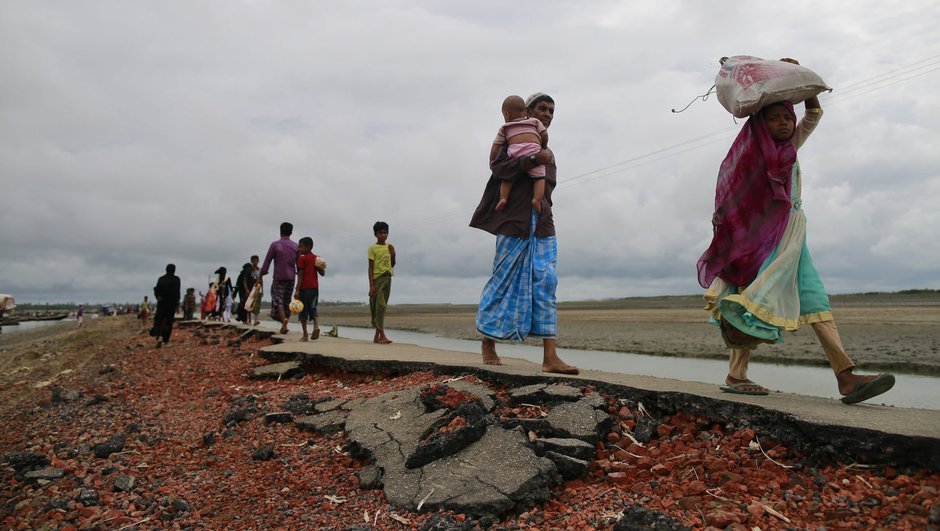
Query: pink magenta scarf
x=752, y=204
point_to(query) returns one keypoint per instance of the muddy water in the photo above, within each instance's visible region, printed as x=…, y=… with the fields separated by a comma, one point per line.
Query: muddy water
x=912, y=391
x=32, y=325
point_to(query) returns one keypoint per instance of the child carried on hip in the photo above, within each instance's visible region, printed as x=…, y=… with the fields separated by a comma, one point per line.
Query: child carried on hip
x=525, y=137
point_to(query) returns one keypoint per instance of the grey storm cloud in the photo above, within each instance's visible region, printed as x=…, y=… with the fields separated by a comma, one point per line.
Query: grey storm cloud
x=133, y=134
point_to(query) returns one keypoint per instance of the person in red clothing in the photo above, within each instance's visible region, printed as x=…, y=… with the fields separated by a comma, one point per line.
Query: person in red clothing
x=308, y=285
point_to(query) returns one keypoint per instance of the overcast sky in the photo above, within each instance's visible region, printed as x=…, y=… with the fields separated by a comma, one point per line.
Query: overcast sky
x=133, y=134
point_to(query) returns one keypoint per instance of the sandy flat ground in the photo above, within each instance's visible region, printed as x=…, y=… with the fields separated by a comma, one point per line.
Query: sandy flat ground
x=898, y=332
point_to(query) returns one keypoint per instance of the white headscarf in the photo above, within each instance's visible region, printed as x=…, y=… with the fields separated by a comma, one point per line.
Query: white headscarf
x=530, y=99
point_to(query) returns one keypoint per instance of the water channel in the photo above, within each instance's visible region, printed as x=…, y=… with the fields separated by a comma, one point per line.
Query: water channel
x=32, y=325
x=913, y=391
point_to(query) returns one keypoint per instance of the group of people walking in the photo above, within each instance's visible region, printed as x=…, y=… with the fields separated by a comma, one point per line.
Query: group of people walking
x=758, y=272
x=296, y=272
x=294, y=287
x=223, y=296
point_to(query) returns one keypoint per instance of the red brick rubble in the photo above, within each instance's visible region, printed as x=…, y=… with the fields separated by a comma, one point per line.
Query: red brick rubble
x=191, y=470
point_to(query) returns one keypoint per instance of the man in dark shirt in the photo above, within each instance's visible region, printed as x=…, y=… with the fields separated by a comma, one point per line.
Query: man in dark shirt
x=167, y=293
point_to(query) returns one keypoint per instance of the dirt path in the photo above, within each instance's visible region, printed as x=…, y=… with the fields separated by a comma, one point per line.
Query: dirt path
x=37, y=358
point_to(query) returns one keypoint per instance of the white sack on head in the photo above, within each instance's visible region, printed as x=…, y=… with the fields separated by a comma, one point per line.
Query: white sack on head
x=746, y=84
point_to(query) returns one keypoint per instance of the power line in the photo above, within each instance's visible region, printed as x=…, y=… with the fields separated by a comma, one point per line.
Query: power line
x=887, y=76
x=646, y=155
x=862, y=83
x=568, y=182
x=840, y=98
x=865, y=86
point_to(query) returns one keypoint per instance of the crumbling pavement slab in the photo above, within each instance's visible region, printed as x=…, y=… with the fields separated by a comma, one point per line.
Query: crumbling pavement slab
x=488, y=477
x=329, y=422
x=494, y=475
x=579, y=420
x=277, y=370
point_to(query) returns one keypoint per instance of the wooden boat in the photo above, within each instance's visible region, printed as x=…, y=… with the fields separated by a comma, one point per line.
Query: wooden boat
x=9, y=321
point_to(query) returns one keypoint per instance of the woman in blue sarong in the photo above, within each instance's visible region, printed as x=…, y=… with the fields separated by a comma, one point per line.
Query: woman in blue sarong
x=518, y=301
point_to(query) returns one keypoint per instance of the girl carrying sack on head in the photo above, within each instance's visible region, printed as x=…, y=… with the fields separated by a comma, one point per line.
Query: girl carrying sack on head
x=758, y=272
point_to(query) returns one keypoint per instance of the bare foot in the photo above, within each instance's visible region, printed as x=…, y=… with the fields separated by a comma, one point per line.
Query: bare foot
x=560, y=368
x=490, y=357
x=501, y=205
x=551, y=362
x=304, y=338
x=316, y=333
x=283, y=329
x=384, y=341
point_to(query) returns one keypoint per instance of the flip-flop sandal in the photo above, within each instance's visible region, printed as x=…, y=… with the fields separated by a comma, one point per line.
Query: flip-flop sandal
x=880, y=384
x=738, y=389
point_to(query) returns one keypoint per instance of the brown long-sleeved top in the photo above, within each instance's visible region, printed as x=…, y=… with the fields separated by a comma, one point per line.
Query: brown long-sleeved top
x=515, y=219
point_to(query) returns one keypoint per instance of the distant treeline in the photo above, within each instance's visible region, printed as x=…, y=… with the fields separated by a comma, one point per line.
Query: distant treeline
x=865, y=293
x=906, y=292
x=70, y=306
x=52, y=307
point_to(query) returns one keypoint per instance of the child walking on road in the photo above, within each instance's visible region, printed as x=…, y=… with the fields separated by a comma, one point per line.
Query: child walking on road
x=381, y=269
x=308, y=285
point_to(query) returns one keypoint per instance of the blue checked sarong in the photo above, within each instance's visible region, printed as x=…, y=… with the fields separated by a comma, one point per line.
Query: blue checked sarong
x=519, y=299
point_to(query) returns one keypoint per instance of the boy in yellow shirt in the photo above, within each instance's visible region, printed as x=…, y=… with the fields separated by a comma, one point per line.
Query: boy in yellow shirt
x=381, y=269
